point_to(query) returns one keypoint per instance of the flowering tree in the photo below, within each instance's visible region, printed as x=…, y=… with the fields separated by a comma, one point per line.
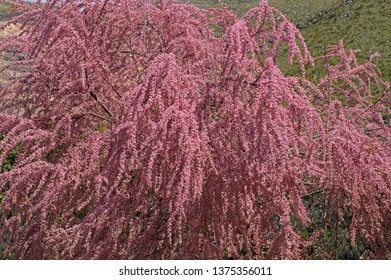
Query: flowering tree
x=155, y=129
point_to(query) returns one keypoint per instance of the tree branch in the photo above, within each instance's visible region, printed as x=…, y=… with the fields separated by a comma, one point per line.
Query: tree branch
x=93, y=95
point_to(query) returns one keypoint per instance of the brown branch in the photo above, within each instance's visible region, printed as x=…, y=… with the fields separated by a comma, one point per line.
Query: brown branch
x=311, y=194
x=98, y=116
x=377, y=101
x=98, y=18
x=91, y=114
x=93, y=95
x=259, y=76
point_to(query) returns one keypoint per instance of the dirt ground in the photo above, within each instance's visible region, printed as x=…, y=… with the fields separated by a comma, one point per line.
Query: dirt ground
x=8, y=69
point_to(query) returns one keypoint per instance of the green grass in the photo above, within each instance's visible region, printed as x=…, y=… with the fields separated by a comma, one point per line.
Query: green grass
x=5, y=8
x=295, y=10
x=362, y=24
x=302, y=9
x=239, y=7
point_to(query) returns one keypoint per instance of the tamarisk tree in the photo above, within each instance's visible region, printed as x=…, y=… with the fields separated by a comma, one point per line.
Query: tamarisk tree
x=158, y=130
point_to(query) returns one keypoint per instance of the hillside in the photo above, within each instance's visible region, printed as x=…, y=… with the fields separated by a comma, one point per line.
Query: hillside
x=4, y=11
x=294, y=9
x=362, y=24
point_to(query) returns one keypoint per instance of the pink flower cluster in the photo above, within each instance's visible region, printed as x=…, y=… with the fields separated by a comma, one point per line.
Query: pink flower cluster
x=159, y=130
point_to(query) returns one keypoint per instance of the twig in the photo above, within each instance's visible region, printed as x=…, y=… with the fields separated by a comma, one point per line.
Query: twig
x=93, y=95
x=377, y=101
x=98, y=18
x=311, y=194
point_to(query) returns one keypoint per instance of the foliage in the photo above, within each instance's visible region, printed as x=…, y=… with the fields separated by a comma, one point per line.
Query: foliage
x=141, y=134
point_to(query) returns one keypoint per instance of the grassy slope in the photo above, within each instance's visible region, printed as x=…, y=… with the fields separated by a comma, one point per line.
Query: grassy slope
x=362, y=24
x=294, y=9
x=4, y=8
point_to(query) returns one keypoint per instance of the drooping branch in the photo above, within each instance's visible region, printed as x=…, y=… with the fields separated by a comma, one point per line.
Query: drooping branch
x=143, y=134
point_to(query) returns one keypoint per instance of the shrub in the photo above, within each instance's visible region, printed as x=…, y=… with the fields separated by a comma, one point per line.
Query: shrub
x=158, y=130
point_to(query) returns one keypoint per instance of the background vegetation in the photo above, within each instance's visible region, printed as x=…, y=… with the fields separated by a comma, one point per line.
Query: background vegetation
x=4, y=9
x=362, y=24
